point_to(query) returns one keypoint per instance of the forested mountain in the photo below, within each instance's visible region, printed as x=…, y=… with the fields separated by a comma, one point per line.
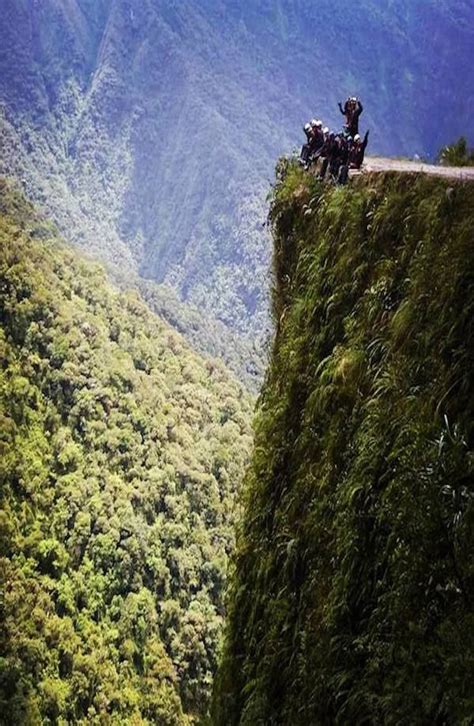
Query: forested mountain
x=121, y=452
x=148, y=130
x=352, y=600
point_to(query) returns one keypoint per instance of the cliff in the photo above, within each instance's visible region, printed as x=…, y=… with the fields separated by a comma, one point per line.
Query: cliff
x=353, y=584
x=148, y=130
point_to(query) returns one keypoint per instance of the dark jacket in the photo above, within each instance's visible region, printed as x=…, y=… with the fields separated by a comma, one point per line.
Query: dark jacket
x=333, y=148
x=325, y=148
x=353, y=120
x=308, y=134
x=357, y=154
x=344, y=151
x=352, y=116
x=317, y=141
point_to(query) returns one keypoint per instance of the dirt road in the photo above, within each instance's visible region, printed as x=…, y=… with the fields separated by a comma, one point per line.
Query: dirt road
x=378, y=163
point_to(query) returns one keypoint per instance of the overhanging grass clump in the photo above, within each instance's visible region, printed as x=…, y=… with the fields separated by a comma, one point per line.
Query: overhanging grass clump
x=353, y=591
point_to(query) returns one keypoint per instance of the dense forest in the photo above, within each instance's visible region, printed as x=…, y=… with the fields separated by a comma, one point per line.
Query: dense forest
x=245, y=356
x=353, y=591
x=121, y=452
x=144, y=132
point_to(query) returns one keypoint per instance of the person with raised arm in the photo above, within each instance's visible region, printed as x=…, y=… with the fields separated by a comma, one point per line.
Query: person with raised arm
x=352, y=110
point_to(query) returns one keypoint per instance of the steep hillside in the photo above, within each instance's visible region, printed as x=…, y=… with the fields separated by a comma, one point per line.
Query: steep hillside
x=148, y=130
x=353, y=592
x=121, y=452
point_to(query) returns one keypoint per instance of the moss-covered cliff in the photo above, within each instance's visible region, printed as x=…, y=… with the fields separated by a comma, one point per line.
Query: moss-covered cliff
x=353, y=587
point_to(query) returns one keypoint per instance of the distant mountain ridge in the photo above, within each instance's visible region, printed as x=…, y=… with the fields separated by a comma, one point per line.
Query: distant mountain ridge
x=149, y=130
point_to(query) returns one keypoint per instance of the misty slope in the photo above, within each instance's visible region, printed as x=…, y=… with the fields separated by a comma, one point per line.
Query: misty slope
x=353, y=583
x=121, y=453
x=148, y=129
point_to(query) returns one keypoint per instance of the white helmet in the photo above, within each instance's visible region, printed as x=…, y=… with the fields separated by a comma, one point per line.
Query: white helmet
x=314, y=122
x=319, y=123
x=326, y=130
x=307, y=127
x=357, y=138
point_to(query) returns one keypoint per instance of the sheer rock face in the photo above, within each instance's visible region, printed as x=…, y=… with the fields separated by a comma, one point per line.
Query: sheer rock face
x=150, y=129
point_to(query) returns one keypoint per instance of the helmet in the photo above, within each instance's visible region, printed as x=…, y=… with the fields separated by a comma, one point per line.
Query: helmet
x=319, y=123
x=357, y=138
x=326, y=130
x=314, y=122
x=349, y=139
x=307, y=127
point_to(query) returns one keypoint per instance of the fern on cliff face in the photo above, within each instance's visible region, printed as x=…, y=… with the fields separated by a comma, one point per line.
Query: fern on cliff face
x=353, y=588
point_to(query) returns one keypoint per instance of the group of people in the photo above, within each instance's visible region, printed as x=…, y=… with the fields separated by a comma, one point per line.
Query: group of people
x=336, y=153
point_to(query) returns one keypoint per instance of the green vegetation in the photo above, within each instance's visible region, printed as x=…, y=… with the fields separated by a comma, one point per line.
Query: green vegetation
x=148, y=131
x=121, y=452
x=353, y=591
x=457, y=154
x=216, y=324
x=243, y=355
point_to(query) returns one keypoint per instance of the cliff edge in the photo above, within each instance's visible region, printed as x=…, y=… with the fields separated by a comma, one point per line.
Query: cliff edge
x=353, y=582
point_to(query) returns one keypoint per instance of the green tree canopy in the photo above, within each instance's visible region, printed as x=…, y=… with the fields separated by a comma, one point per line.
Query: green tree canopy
x=121, y=456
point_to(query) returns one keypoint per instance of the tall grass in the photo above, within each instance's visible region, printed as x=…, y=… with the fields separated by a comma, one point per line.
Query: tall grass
x=353, y=582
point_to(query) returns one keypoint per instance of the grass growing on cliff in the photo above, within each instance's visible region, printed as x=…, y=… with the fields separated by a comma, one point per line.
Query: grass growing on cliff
x=457, y=154
x=353, y=588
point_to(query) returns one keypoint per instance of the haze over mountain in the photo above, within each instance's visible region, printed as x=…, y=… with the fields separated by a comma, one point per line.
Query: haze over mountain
x=148, y=130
